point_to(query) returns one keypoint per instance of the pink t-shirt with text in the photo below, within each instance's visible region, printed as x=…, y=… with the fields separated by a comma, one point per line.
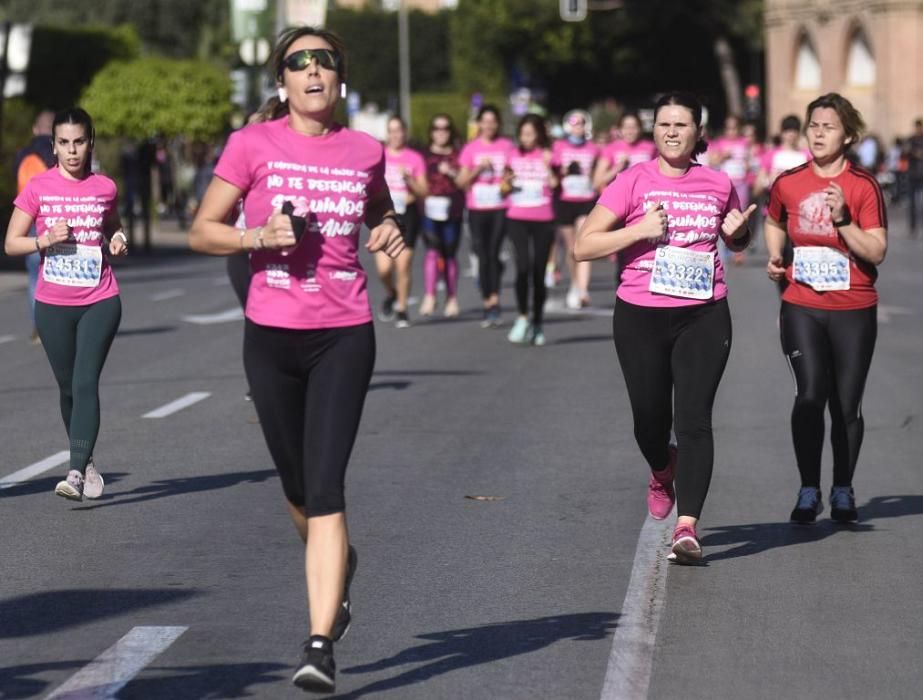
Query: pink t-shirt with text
x=484, y=193
x=329, y=179
x=530, y=199
x=696, y=204
x=576, y=167
x=620, y=152
x=407, y=161
x=736, y=152
x=71, y=278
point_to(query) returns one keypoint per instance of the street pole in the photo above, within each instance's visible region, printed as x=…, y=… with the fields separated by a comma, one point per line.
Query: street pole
x=7, y=28
x=403, y=40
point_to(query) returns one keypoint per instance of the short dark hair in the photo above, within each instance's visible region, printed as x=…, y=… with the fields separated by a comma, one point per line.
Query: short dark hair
x=852, y=121
x=688, y=100
x=791, y=123
x=541, y=131
x=489, y=108
x=453, y=134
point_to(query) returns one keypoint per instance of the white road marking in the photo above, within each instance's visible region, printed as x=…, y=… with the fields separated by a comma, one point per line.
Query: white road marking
x=111, y=671
x=167, y=294
x=235, y=314
x=628, y=673
x=7, y=339
x=885, y=312
x=41, y=467
x=178, y=405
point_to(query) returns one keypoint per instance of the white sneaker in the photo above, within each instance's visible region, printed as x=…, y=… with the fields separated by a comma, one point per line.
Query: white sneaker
x=572, y=300
x=538, y=336
x=521, y=330
x=71, y=487
x=549, y=277
x=93, y=483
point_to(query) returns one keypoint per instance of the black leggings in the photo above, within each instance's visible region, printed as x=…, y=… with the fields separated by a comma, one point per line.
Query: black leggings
x=675, y=356
x=532, y=243
x=309, y=388
x=829, y=353
x=487, y=228
x=77, y=341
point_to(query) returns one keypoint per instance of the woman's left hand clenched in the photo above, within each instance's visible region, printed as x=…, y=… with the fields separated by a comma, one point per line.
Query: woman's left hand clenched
x=118, y=247
x=387, y=238
x=835, y=201
x=735, y=223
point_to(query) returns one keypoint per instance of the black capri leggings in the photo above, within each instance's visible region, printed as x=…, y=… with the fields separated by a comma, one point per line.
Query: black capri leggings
x=829, y=353
x=309, y=388
x=487, y=229
x=673, y=360
x=531, y=243
x=77, y=341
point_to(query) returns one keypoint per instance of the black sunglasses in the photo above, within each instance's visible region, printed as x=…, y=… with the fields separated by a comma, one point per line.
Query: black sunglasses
x=441, y=127
x=326, y=58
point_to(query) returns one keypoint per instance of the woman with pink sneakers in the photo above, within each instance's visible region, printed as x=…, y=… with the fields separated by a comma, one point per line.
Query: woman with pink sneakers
x=672, y=327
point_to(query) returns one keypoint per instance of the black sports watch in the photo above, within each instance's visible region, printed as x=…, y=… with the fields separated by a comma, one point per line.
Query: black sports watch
x=397, y=219
x=845, y=221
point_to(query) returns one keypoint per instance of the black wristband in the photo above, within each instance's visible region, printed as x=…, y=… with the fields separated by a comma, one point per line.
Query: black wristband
x=396, y=219
x=845, y=221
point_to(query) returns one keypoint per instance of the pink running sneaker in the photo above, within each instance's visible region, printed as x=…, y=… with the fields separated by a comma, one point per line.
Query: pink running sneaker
x=71, y=487
x=660, y=493
x=686, y=548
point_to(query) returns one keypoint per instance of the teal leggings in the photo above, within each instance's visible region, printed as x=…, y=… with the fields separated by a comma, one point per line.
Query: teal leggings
x=77, y=340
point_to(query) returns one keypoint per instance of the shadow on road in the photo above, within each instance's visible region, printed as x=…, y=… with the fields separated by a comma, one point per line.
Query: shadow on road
x=573, y=339
x=396, y=385
x=49, y=611
x=200, y=682
x=463, y=648
x=46, y=485
x=756, y=538
x=164, y=488
x=150, y=330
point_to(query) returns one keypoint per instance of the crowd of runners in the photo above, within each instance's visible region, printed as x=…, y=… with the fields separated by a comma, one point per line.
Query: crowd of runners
x=294, y=190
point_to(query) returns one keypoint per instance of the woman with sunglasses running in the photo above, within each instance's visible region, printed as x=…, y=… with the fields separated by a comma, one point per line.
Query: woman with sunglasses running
x=77, y=304
x=309, y=343
x=671, y=325
x=834, y=214
x=483, y=162
x=442, y=216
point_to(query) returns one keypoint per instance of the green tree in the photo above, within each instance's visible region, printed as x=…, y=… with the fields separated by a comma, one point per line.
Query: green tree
x=159, y=96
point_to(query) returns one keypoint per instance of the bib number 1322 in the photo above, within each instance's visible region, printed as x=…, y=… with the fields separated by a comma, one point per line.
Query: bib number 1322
x=684, y=273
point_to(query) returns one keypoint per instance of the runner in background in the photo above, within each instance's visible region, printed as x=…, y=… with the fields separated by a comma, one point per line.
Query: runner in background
x=443, y=208
x=731, y=154
x=629, y=149
x=405, y=173
x=77, y=305
x=833, y=212
x=573, y=158
x=34, y=159
x=483, y=162
x=530, y=222
x=309, y=341
x=671, y=325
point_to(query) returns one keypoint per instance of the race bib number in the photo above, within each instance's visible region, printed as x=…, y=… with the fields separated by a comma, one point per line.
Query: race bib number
x=73, y=265
x=486, y=195
x=399, y=200
x=437, y=208
x=679, y=272
x=530, y=193
x=577, y=187
x=823, y=269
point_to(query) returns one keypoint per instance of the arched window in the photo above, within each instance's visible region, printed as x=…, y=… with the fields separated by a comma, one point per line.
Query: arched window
x=807, y=65
x=860, y=63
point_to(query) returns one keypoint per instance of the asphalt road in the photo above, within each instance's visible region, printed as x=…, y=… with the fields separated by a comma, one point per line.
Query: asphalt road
x=516, y=597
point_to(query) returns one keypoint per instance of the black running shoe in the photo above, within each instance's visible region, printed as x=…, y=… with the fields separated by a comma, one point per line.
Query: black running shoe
x=843, y=504
x=317, y=670
x=403, y=320
x=809, y=506
x=386, y=314
x=344, y=614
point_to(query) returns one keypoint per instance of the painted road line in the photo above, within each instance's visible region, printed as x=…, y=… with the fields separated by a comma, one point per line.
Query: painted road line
x=111, y=671
x=885, y=312
x=235, y=314
x=27, y=473
x=167, y=294
x=7, y=339
x=628, y=673
x=178, y=405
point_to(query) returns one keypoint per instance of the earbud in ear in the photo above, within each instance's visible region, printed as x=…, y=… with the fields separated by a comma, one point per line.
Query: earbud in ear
x=283, y=94
x=343, y=90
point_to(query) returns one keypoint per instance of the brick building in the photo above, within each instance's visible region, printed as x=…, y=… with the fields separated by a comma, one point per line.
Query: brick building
x=870, y=51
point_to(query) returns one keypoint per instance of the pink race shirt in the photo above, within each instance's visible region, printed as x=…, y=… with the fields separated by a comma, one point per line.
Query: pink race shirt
x=576, y=166
x=77, y=272
x=696, y=204
x=407, y=161
x=530, y=199
x=629, y=154
x=329, y=179
x=737, y=154
x=484, y=193
x=776, y=161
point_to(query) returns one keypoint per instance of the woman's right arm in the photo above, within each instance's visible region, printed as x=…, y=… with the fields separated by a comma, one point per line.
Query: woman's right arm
x=775, y=243
x=209, y=234
x=18, y=242
x=600, y=234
